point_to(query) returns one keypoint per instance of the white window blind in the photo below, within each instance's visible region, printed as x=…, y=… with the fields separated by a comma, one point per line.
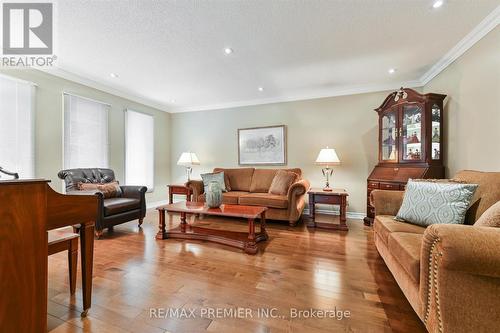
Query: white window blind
x=85, y=133
x=17, y=152
x=139, y=149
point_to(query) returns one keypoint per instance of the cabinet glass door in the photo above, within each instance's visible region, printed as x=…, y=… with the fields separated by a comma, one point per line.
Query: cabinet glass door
x=436, y=132
x=412, y=132
x=388, y=129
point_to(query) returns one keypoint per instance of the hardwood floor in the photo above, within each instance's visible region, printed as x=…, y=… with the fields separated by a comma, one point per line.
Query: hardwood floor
x=135, y=274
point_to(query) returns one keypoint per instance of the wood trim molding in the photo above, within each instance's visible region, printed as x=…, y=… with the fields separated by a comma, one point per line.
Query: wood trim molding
x=481, y=30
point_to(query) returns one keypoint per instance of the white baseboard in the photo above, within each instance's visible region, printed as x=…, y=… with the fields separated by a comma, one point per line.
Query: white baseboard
x=350, y=215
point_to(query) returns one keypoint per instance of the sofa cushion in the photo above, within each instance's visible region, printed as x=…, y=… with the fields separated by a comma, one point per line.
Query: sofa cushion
x=228, y=198
x=405, y=247
x=282, y=182
x=262, y=179
x=239, y=179
x=114, y=206
x=265, y=200
x=486, y=194
x=88, y=175
x=384, y=225
x=490, y=218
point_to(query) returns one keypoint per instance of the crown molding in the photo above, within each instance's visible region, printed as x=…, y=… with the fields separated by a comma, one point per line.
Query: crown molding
x=64, y=74
x=482, y=29
x=339, y=91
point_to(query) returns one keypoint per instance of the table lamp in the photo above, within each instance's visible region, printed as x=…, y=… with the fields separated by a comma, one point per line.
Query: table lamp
x=188, y=159
x=327, y=157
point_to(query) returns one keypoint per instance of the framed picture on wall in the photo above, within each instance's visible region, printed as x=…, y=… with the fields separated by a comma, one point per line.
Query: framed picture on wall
x=262, y=145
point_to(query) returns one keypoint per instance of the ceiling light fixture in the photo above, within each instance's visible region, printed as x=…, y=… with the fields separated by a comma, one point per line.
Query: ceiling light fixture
x=260, y=89
x=392, y=70
x=113, y=75
x=437, y=3
x=172, y=100
x=228, y=50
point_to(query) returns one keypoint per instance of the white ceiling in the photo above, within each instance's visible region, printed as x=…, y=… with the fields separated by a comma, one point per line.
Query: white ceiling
x=174, y=50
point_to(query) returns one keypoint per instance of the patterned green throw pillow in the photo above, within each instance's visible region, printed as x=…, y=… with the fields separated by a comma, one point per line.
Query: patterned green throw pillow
x=427, y=203
x=210, y=177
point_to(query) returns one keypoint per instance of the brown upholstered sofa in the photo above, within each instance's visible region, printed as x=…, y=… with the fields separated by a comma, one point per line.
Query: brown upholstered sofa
x=250, y=186
x=449, y=273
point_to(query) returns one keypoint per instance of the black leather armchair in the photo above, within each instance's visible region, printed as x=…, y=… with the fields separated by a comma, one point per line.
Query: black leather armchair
x=129, y=206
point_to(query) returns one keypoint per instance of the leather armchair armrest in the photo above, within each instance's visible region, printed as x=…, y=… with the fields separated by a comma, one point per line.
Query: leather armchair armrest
x=100, y=205
x=460, y=278
x=386, y=202
x=136, y=192
x=196, y=187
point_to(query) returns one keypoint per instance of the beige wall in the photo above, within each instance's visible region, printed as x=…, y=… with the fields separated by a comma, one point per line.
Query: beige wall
x=472, y=108
x=346, y=123
x=49, y=129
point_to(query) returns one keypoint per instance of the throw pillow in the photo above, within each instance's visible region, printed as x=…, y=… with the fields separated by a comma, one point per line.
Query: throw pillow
x=430, y=180
x=109, y=190
x=210, y=177
x=490, y=218
x=226, y=181
x=282, y=182
x=427, y=203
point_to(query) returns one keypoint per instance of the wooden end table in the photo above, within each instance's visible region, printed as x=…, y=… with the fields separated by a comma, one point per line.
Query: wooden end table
x=334, y=197
x=178, y=189
x=242, y=240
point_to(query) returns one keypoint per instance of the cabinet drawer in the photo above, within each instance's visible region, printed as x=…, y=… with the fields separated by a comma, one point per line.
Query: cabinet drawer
x=389, y=186
x=402, y=187
x=327, y=199
x=373, y=184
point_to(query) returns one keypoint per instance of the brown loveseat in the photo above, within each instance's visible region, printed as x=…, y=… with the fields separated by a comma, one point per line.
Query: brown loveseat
x=449, y=273
x=250, y=186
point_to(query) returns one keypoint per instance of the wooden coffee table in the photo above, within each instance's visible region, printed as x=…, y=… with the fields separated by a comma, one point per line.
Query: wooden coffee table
x=246, y=241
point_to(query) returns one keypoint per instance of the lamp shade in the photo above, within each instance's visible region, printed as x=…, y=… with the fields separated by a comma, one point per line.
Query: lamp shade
x=188, y=159
x=327, y=156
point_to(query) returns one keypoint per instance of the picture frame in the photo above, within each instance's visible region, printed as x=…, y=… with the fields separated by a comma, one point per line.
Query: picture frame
x=262, y=145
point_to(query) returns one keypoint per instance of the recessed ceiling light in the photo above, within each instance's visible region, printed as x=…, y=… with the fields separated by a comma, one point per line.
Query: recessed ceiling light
x=172, y=100
x=392, y=70
x=260, y=89
x=113, y=75
x=228, y=50
x=437, y=3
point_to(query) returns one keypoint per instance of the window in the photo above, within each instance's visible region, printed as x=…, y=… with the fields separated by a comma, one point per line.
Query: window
x=139, y=149
x=85, y=133
x=16, y=127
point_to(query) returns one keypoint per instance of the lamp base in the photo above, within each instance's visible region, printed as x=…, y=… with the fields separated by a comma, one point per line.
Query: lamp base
x=327, y=189
x=188, y=173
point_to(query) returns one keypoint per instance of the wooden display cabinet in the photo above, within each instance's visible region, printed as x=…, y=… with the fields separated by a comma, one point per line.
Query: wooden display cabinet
x=410, y=142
